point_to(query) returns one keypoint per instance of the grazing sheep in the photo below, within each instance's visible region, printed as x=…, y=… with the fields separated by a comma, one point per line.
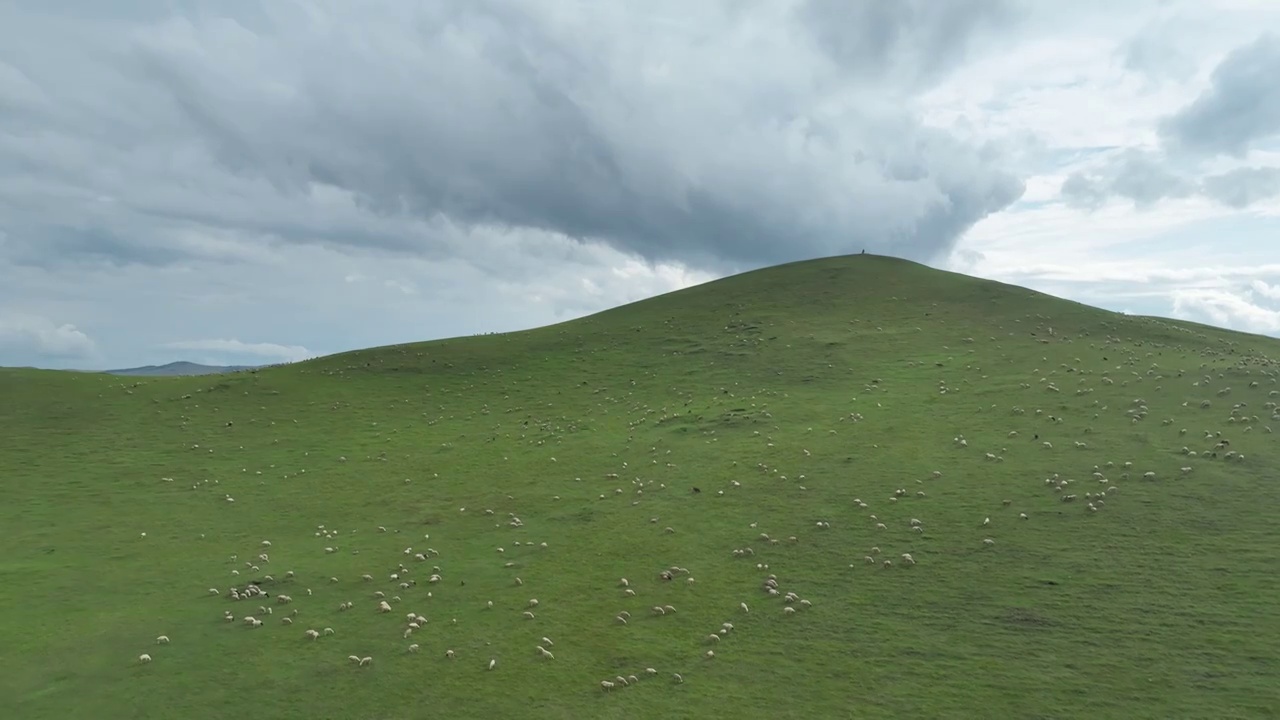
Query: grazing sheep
x=449, y=654
x=413, y=648
x=144, y=658
x=606, y=685
x=162, y=640
x=365, y=661
x=314, y=635
x=493, y=663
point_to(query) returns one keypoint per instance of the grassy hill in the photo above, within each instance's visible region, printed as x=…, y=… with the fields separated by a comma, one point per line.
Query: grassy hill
x=825, y=404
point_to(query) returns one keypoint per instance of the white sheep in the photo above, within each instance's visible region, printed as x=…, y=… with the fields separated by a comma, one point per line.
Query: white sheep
x=144, y=658
x=162, y=640
x=493, y=663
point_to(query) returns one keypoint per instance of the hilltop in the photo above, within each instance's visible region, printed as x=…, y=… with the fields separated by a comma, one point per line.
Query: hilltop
x=1076, y=507
x=180, y=368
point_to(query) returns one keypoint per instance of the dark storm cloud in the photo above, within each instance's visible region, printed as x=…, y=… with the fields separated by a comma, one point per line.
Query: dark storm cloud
x=708, y=134
x=903, y=43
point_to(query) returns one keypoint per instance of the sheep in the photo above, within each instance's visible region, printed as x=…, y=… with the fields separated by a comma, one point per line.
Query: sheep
x=328, y=631
x=144, y=658
x=493, y=663
x=744, y=607
x=365, y=661
x=677, y=677
x=528, y=615
x=710, y=654
x=606, y=685
x=449, y=654
x=162, y=640
x=548, y=642
x=413, y=648
x=313, y=634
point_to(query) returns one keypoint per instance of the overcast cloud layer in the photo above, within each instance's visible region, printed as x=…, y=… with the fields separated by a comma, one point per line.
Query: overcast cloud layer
x=253, y=181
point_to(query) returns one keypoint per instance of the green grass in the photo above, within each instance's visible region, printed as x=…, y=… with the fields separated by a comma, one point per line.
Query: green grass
x=811, y=385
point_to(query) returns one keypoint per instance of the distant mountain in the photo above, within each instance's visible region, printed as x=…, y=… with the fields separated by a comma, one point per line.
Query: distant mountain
x=181, y=368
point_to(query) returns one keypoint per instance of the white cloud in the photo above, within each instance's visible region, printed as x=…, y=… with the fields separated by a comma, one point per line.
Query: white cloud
x=1228, y=309
x=1270, y=292
x=32, y=339
x=278, y=353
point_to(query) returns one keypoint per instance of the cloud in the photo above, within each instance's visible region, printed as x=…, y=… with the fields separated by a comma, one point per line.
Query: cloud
x=32, y=339
x=904, y=44
x=1240, y=108
x=1146, y=178
x=633, y=129
x=279, y=353
x=1133, y=174
x=1243, y=187
x=1225, y=308
x=1151, y=53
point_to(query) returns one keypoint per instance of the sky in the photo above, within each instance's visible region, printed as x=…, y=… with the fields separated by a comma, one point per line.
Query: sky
x=264, y=181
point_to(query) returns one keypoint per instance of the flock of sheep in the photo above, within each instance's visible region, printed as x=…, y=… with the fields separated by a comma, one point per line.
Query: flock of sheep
x=401, y=587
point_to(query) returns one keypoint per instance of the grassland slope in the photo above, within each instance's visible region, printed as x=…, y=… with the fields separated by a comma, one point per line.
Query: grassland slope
x=1087, y=501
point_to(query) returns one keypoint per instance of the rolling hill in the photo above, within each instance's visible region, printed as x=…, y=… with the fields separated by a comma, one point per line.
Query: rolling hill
x=180, y=368
x=975, y=501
